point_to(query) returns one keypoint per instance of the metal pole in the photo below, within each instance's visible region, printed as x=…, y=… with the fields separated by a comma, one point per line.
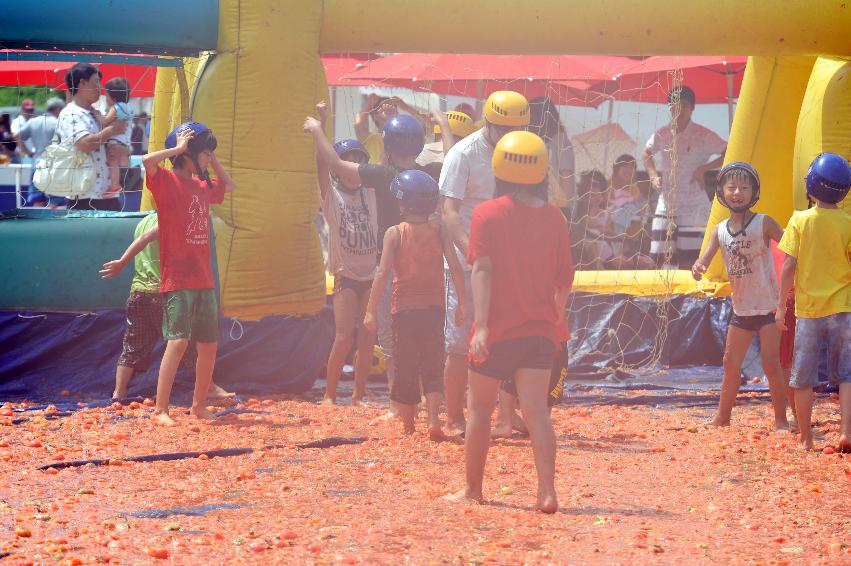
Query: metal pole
x=730, y=99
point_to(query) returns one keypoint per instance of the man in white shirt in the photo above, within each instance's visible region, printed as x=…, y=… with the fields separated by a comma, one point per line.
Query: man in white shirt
x=27, y=111
x=467, y=180
x=37, y=134
x=78, y=122
x=683, y=207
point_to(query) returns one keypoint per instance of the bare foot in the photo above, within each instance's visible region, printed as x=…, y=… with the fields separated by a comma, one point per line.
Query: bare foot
x=409, y=429
x=782, y=425
x=119, y=394
x=807, y=443
x=794, y=427
x=202, y=413
x=501, y=430
x=328, y=401
x=465, y=496
x=358, y=402
x=719, y=421
x=216, y=392
x=435, y=434
x=389, y=415
x=547, y=503
x=518, y=424
x=164, y=419
x=844, y=446
x=454, y=429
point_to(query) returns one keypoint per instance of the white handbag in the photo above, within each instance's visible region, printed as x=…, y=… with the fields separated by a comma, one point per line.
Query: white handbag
x=64, y=171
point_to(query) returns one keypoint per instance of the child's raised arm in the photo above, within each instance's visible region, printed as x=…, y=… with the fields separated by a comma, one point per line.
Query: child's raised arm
x=152, y=161
x=114, y=267
x=322, y=172
x=222, y=175
x=702, y=263
x=379, y=284
x=346, y=170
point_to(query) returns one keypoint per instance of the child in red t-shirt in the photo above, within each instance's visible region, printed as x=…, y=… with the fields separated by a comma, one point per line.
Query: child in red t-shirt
x=414, y=250
x=183, y=196
x=522, y=274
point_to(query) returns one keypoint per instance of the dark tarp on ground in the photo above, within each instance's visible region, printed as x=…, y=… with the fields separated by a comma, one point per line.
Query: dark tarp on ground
x=42, y=354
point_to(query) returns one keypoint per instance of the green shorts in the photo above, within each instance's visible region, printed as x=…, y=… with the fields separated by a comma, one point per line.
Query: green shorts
x=191, y=314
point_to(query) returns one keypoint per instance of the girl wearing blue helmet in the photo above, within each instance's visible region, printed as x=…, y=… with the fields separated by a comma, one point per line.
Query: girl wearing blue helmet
x=744, y=240
x=352, y=218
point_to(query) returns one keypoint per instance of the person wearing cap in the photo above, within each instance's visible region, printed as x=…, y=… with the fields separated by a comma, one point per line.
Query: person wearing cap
x=467, y=180
x=27, y=112
x=683, y=207
x=79, y=123
x=35, y=136
x=519, y=320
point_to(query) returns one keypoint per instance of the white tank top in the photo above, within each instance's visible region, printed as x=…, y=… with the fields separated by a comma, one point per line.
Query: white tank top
x=750, y=266
x=352, y=219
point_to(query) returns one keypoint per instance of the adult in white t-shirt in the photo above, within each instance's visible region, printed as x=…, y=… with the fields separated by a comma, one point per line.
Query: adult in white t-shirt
x=683, y=207
x=467, y=180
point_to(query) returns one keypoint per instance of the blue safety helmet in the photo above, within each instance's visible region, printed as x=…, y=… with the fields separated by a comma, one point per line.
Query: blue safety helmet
x=203, y=140
x=417, y=190
x=351, y=146
x=829, y=178
x=742, y=168
x=403, y=136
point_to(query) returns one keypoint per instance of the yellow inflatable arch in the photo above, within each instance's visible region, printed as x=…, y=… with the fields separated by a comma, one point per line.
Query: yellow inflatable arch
x=266, y=76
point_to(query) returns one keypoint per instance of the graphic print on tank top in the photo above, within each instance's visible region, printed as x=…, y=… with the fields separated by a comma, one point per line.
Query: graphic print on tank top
x=356, y=232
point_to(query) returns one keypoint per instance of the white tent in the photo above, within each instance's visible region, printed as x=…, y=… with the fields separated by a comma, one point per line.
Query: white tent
x=598, y=148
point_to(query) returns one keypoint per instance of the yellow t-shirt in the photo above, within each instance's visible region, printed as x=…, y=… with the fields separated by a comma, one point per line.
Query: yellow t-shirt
x=375, y=146
x=820, y=240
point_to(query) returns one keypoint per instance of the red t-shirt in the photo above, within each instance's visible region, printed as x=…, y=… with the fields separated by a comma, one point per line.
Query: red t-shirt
x=183, y=206
x=529, y=250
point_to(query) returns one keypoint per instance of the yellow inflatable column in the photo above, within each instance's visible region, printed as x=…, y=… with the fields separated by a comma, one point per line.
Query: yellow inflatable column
x=763, y=134
x=254, y=94
x=824, y=123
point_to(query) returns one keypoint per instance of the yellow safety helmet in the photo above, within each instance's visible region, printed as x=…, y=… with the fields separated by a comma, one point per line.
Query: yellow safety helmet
x=521, y=158
x=460, y=124
x=507, y=108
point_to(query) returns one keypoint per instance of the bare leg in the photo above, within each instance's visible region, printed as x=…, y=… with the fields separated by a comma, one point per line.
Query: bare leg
x=366, y=343
x=217, y=392
x=845, y=408
x=455, y=385
x=123, y=375
x=769, y=340
x=507, y=419
x=174, y=350
x=407, y=413
x=203, y=378
x=738, y=341
x=804, y=407
x=532, y=388
x=790, y=396
x=480, y=405
x=345, y=310
x=435, y=431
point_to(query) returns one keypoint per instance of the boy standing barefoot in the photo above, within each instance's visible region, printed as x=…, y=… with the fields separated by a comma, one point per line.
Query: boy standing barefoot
x=522, y=274
x=183, y=196
x=817, y=244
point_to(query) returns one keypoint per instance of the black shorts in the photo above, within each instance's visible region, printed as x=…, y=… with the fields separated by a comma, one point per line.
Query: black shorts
x=558, y=373
x=144, y=330
x=752, y=323
x=508, y=356
x=418, y=354
x=342, y=283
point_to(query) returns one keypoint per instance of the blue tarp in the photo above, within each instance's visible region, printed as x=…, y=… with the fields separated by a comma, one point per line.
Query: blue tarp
x=43, y=354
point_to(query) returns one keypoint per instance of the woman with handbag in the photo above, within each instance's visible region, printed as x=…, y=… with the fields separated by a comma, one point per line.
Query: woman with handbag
x=74, y=166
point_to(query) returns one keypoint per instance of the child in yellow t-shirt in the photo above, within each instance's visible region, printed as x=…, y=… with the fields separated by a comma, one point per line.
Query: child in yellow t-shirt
x=817, y=244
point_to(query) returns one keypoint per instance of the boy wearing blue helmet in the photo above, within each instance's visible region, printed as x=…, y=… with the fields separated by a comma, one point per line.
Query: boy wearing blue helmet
x=352, y=218
x=403, y=138
x=817, y=244
x=183, y=196
x=745, y=243
x=414, y=250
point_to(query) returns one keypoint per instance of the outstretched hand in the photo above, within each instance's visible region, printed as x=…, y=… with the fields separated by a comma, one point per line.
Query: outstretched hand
x=111, y=269
x=311, y=124
x=322, y=110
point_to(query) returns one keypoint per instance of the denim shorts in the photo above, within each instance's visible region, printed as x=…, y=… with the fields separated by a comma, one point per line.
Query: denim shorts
x=457, y=338
x=811, y=334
